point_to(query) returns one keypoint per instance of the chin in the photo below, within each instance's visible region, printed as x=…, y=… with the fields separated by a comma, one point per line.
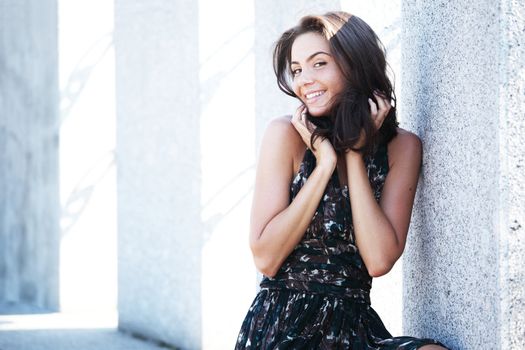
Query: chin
x=317, y=113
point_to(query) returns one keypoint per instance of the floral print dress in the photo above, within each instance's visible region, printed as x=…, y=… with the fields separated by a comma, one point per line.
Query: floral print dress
x=320, y=297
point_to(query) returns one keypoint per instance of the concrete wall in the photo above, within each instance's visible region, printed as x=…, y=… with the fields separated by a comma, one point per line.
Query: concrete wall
x=159, y=176
x=185, y=91
x=29, y=204
x=463, y=73
x=511, y=252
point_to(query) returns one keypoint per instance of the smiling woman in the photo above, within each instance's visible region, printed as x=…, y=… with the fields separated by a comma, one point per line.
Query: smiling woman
x=317, y=245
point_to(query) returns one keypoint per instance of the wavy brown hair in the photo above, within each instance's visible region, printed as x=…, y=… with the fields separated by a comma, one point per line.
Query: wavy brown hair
x=360, y=56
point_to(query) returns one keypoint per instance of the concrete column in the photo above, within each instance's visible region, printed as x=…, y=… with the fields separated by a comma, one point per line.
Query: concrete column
x=159, y=173
x=463, y=93
x=511, y=253
x=29, y=200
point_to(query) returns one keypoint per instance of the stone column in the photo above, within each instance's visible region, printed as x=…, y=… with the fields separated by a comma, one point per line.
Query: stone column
x=159, y=176
x=29, y=200
x=463, y=93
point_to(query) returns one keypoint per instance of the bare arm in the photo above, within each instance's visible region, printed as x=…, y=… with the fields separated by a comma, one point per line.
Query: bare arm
x=276, y=225
x=381, y=228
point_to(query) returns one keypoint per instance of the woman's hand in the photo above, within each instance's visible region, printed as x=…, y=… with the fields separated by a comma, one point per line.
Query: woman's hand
x=322, y=148
x=378, y=115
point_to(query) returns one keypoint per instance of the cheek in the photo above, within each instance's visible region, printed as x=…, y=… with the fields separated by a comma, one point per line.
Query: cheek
x=338, y=86
x=297, y=93
x=338, y=81
x=295, y=89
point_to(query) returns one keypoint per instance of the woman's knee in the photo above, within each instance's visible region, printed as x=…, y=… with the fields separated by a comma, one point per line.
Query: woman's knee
x=432, y=347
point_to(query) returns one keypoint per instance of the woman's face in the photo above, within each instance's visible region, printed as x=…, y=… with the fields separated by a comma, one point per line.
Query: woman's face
x=316, y=76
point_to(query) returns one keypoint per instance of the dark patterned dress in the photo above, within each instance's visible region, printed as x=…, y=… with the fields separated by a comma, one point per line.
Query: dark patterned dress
x=320, y=297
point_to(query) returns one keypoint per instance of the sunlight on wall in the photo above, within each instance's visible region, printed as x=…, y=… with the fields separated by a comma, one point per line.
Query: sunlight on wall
x=57, y=321
x=88, y=276
x=228, y=156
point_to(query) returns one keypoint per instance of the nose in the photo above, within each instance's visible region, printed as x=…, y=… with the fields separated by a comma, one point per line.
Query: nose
x=305, y=78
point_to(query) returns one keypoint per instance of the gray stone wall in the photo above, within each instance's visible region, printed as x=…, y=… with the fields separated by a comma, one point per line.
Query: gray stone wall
x=159, y=177
x=29, y=200
x=462, y=65
x=511, y=228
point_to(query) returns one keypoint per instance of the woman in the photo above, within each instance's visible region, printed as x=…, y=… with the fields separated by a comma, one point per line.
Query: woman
x=333, y=194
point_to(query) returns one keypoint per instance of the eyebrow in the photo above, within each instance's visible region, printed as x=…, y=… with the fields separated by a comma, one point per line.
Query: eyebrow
x=312, y=56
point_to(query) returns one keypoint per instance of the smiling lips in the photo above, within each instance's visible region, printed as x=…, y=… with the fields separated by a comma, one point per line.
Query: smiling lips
x=314, y=94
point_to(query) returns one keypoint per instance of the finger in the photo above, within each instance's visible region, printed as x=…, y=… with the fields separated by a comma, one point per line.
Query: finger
x=387, y=104
x=299, y=110
x=373, y=108
x=304, y=118
x=382, y=113
x=299, y=122
x=296, y=117
x=379, y=93
x=382, y=102
x=302, y=111
x=309, y=125
x=386, y=110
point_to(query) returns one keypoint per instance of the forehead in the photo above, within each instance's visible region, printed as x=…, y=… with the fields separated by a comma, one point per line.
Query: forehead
x=308, y=43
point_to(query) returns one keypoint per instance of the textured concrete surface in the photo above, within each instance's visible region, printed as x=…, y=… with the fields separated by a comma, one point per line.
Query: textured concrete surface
x=29, y=204
x=463, y=95
x=159, y=176
x=512, y=174
x=57, y=331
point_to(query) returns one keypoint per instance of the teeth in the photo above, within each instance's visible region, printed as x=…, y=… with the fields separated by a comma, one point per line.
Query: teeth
x=314, y=94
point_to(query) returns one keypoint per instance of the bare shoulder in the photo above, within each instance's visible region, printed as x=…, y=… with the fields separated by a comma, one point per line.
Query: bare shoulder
x=405, y=147
x=282, y=125
x=281, y=133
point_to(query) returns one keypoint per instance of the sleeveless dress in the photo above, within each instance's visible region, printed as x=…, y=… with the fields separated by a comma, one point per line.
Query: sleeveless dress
x=320, y=297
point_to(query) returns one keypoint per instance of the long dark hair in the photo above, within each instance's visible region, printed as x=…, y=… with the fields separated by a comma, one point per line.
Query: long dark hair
x=360, y=56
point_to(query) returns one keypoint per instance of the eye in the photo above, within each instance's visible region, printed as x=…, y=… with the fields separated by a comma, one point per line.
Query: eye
x=319, y=64
x=296, y=71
